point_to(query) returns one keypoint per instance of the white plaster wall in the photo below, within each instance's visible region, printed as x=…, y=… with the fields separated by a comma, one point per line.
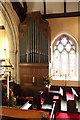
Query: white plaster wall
x=72, y=6
x=35, y=6
x=54, y=7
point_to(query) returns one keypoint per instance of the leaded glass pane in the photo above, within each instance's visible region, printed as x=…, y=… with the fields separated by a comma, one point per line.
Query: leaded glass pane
x=71, y=42
x=68, y=47
x=64, y=66
x=72, y=62
x=64, y=41
x=56, y=68
x=57, y=42
x=72, y=52
x=56, y=62
x=73, y=47
x=60, y=47
x=54, y=48
x=56, y=55
x=64, y=63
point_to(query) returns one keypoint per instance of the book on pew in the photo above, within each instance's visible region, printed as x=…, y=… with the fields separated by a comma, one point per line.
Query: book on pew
x=26, y=106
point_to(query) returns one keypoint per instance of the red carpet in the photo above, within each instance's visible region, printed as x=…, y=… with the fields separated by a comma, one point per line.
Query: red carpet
x=69, y=116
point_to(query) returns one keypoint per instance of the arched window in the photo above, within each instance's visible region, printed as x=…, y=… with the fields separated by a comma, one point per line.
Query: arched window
x=64, y=59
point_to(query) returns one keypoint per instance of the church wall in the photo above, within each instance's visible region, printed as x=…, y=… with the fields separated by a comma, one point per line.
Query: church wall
x=79, y=47
x=68, y=25
x=57, y=25
x=60, y=25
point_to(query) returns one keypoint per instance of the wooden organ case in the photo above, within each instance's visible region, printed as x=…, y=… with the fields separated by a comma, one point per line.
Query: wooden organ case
x=34, y=49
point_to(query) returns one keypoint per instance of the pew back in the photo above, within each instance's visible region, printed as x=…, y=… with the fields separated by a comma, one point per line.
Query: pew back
x=25, y=114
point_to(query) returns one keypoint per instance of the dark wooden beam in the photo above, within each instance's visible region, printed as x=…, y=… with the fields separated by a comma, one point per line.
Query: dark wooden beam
x=21, y=12
x=61, y=15
x=44, y=7
x=64, y=6
x=6, y=66
x=2, y=27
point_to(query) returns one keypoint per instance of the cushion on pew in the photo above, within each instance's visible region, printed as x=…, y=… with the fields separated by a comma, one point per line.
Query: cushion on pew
x=55, y=97
x=69, y=96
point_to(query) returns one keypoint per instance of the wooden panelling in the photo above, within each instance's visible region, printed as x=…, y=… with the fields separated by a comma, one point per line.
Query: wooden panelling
x=66, y=83
x=58, y=82
x=36, y=70
x=27, y=72
x=73, y=83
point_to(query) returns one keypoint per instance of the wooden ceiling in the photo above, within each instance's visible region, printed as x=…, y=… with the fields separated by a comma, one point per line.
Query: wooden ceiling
x=21, y=11
x=34, y=6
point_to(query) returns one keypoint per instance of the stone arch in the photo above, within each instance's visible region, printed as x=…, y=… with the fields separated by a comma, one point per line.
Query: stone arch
x=11, y=29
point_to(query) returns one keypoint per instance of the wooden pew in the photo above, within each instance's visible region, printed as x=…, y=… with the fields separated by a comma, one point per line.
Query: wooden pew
x=75, y=94
x=71, y=106
x=23, y=114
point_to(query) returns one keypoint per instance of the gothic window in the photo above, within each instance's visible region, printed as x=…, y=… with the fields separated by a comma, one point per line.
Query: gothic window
x=64, y=59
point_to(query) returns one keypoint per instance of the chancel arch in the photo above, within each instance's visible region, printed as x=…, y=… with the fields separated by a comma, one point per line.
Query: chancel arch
x=7, y=19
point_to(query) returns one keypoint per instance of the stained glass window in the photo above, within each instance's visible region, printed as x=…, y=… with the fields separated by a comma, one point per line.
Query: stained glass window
x=56, y=62
x=64, y=59
x=64, y=63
